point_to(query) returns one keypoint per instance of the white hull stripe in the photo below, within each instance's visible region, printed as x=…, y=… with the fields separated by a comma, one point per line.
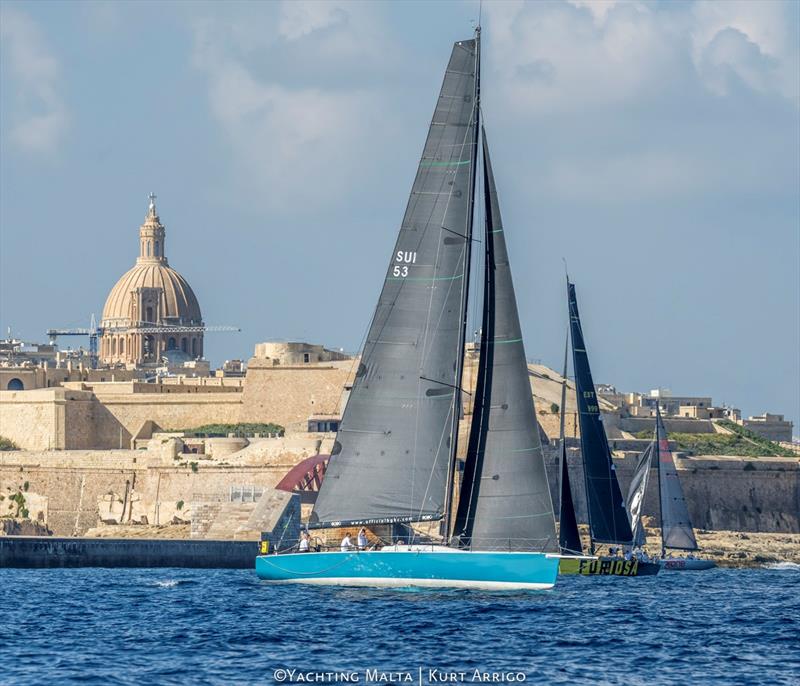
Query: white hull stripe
x=390, y=582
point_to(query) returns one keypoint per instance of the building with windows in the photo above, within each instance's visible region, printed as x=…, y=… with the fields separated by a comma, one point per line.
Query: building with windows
x=151, y=313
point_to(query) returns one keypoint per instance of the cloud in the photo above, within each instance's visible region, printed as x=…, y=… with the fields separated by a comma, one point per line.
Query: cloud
x=302, y=17
x=40, y=117
x=294, y=126
x=643, y=100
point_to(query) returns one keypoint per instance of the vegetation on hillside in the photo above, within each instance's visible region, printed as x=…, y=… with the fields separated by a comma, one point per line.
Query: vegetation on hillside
x=222, y=430
x=741, y=442
x=7, y=444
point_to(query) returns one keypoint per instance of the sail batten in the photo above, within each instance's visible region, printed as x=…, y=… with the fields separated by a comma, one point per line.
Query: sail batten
x=392, y=453
x=505, y=498
x=608, y=518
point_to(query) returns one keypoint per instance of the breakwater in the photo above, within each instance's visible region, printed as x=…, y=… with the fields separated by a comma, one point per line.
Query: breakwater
x=46, y=551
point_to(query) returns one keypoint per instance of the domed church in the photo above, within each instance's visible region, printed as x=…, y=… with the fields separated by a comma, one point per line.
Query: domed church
x=152, y=312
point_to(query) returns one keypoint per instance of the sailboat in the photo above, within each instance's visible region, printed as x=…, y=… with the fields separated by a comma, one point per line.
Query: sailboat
x=608, y=516
x=676, y=528
x=394, y=457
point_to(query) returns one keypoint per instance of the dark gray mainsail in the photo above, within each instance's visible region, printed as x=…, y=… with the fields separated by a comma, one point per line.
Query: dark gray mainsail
x=608, y=518
x=636, y=492
x=505, y=499
x=392, y=454
x=676, y=528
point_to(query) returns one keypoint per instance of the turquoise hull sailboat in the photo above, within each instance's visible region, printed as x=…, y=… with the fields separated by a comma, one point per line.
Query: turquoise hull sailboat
x=414, y=566
x=394, y=458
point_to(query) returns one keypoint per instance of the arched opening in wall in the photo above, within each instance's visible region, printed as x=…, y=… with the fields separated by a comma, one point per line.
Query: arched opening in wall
x=194, y=347
x=113, y=347
x=149, y=314
x=155, y=252
x=15, y=385
x=149, y=347
x=184, y=346
x=172, y=344
x=148, y=248
x=121, y=346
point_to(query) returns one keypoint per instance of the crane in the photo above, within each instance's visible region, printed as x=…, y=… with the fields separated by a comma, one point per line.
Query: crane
x=94, y=331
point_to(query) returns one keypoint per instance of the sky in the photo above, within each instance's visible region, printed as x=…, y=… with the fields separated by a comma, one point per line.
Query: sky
x=654, y=146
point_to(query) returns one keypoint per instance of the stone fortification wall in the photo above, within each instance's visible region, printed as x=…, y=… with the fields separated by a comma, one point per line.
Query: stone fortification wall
x=109, y=416
x=289, y=395
x=722, y=493
x=74, y=491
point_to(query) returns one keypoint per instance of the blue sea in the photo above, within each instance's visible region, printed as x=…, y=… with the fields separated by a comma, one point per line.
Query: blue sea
x=174, y=626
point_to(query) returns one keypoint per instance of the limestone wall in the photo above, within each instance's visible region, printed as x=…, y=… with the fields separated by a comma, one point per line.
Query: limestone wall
x=289, y=395
x=722, y=493
x=73, y=487
x=67, y=419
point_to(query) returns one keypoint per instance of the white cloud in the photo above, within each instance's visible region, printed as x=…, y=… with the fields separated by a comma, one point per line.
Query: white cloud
x=296, y=146
x=751, y=40
x=40, y=117
x=554, y=56
x=302, y=17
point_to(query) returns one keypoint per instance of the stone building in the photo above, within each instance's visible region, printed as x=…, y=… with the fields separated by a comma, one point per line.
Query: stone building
x=148, y=298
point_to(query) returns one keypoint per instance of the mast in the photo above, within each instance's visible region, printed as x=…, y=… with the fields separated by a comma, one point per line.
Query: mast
x=457, y=399
x=657, y=449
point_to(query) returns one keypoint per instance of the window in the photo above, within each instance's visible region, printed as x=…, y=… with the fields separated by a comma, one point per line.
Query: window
x=155, y=252
x=306, y=358
x=194, y=347
x=149, y=314
x=172, y=344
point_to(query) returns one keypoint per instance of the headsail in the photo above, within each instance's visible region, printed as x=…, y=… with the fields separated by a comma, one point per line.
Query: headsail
x=505, y=499
x=569, y=538
x=391, y=457
x=676, y=528
x=608, y=519
x=636, y=492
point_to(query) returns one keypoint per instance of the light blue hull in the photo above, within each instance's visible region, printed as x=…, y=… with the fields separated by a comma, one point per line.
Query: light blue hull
x=427, y=568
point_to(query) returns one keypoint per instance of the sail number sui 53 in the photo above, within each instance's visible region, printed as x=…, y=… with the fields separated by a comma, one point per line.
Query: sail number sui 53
x=402, y=259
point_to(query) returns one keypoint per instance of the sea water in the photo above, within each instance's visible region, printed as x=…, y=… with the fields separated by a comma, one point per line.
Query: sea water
x=176, y=626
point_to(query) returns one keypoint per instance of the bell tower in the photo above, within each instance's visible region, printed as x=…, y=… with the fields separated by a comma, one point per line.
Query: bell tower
x=151, y=237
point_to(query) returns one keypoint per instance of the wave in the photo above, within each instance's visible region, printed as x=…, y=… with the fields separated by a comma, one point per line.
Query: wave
x=783, y=566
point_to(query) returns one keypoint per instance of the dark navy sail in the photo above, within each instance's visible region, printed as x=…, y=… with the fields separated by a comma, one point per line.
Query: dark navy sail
x=676, y=528
x=505, y=499
x=569, y=538
x=393, y=450
x=608, y=519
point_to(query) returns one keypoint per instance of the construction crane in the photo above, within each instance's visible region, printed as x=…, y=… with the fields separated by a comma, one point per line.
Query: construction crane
x=93, y=332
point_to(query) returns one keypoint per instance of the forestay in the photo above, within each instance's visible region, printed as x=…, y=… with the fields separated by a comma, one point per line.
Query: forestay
x=505, y=499
x=392, y=452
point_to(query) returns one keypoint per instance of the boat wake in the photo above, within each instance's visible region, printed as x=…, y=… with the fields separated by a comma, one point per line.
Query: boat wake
x=167, y=583
x=783, y=566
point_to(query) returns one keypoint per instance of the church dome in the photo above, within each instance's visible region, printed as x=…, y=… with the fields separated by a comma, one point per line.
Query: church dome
x=151, y=315
x=176, y=302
